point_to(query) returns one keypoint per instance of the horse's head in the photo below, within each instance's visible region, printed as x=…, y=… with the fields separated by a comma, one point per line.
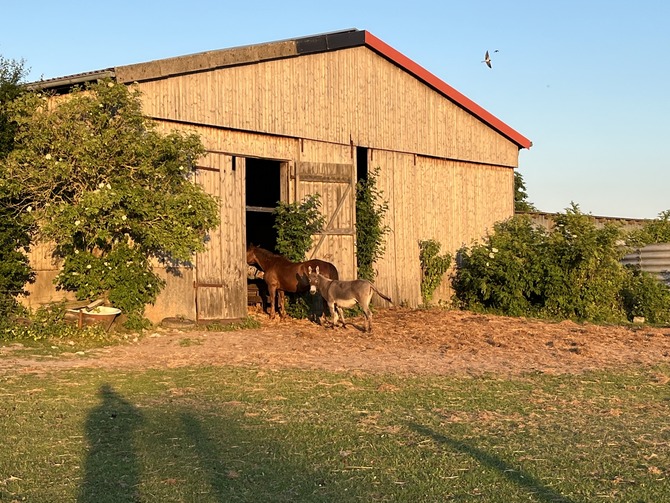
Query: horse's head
x=313, y=275
x=251, y=255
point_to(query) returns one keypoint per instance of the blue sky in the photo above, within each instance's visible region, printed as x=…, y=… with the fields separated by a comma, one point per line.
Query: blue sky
x=586, y=81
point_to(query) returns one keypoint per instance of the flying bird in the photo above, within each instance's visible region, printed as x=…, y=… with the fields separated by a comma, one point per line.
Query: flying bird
x=487, y=59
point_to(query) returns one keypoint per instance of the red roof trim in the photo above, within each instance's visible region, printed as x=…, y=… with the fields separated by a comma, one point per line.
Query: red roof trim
x=421, y=73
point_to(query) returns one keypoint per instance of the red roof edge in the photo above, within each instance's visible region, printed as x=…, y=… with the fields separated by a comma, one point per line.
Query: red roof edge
x=463, y=101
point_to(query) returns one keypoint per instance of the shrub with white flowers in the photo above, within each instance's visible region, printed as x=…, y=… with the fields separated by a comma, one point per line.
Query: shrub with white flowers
x=109, y=190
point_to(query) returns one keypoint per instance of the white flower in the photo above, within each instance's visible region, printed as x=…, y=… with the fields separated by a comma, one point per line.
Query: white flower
x=124, y=218
x=494, y=250
x=77, y=222
x=101, y=185
x=109, y=186
x=492, y=255
x=76, y=252
x=48, y=157
x=29, y=209
x=110, y=84
x=88, y=266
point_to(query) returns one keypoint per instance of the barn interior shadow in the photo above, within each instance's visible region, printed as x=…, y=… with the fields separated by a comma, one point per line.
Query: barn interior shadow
x=539, y=490
x=111, y=469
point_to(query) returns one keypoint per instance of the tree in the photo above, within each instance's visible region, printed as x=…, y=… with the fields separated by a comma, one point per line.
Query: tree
x=109, y=190
x=295, y=224
x=15, y=232
x=521, y=202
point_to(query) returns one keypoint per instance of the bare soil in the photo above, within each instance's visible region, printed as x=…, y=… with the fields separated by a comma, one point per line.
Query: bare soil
x=403, y=341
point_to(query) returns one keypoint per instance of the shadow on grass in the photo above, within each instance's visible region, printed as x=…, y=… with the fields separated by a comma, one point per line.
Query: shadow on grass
x=217, y=473
x=540, y=491
x=111, y=468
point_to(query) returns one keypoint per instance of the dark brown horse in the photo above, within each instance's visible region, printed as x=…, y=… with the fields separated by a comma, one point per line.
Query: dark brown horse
x=281, y=275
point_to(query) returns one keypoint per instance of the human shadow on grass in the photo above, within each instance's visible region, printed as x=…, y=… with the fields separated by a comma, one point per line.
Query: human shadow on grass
x=111, y=468
x=540, y=491
x=217, y=473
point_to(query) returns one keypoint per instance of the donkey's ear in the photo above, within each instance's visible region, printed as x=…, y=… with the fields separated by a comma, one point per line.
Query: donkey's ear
x=317, y=269
x=309, y=269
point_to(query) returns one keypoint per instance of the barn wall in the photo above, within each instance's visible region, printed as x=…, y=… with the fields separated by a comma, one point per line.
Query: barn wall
x=340, y=97
x=446, y=174
x=451, y=202
x=324, y=158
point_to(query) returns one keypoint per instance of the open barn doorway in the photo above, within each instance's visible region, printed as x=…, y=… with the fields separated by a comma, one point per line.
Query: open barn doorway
x=263, y=187
x=263, y=191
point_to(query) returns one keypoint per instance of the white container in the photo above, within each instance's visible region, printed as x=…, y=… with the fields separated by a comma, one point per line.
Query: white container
x=102, y=315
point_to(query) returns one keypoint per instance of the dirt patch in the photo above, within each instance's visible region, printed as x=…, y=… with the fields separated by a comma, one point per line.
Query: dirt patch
x=403, y=341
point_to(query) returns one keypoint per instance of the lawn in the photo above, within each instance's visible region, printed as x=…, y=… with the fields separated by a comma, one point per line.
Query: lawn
x=242, y=434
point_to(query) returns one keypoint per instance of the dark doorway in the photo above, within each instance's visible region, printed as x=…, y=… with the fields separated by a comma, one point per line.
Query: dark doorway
x=361, y=163
x=263, y=189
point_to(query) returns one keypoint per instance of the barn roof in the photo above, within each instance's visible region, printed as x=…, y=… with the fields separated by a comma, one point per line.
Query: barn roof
x=285, y=49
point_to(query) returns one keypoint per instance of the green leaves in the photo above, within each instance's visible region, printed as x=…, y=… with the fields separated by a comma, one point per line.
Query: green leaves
x=370, y=229
x=107, y=188
x=572, y=272
x=433, y=267
x=295, y=224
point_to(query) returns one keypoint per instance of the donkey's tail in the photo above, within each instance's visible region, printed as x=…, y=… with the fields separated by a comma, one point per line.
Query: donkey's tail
x=385, y=297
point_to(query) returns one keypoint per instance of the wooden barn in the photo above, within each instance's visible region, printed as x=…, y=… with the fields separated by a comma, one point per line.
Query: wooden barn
x=285, y=119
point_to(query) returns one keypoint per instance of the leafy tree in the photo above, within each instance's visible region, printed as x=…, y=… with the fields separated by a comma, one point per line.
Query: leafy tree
x=295, y=224
x=572, y=272
x=109, y=190
x=653, y=231
x=521, y=202
x=15, y=231
x=370, y=230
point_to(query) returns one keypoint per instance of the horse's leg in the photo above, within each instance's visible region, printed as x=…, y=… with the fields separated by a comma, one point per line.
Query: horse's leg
x=272, y=294
x=282, y=306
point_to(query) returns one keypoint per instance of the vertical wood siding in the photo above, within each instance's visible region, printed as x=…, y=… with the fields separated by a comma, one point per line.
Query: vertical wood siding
x=453, y=203
x=352, y=95
x=221, y=269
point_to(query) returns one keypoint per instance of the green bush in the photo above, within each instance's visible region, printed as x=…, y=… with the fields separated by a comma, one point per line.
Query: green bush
x=505, y=274
x=296, y=223
x=643, y=295
x=109, y=190
x=433, y=267
x=47, y=323
x=370, y=230
x=573, y=272
x=15, y=225
x=653, y=231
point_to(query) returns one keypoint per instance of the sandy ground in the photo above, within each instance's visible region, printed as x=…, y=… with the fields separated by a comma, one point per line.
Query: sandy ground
x=403, y=341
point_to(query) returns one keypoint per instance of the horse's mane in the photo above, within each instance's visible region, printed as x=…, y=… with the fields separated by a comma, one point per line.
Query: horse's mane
x=270, y=255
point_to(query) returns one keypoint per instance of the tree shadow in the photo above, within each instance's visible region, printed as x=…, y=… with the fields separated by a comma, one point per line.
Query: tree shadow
x=111, y=468
x=539, y=491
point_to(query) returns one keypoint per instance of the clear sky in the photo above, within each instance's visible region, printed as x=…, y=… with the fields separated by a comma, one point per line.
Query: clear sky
x=586, y=80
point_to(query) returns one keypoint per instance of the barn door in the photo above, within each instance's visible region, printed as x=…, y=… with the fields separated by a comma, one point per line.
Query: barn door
x=336, y=185
x=220, y=284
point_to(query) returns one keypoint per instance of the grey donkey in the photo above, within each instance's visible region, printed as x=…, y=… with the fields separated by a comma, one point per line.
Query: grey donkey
x=344, y=294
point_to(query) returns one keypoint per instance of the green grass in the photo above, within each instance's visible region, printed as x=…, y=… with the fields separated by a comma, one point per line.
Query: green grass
x=212, y=434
